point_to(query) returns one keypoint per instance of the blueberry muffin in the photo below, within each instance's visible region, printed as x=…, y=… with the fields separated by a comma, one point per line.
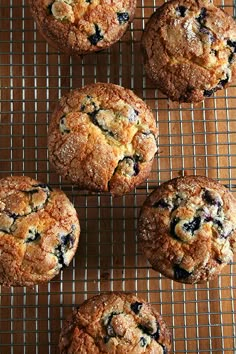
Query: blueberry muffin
x=103, y=138
x=82, y=26
x=189, y=49
x=117, y=323
x=39, y=231
x=187, y=228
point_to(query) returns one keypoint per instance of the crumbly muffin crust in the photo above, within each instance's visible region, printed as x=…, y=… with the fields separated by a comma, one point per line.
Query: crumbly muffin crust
x=82, y=26
x=187, y=228
x=189, y=49
x=117, y=323
x=39, y=231
x=103, y=138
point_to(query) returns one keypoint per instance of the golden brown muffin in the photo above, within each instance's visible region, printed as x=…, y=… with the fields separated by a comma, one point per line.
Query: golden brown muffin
x=117, y=323
x=103, y=138
x=39, y=231
x=189, y=49
x=82, y=26
x=187, y=228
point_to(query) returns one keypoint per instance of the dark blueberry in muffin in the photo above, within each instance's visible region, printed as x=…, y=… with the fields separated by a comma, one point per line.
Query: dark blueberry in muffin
x=231, y=57
x=180, y=273
x=96, y=37
x=42, y=185
x=232, y=44
x=208, y=93
x=123, y=17
x=173, y=223
x=223, y=82
x=193, y=225
x=218, y=260
x=49, y=9
x=89, y=1
x=106, y=339
x=62, y=126
x=206, y=31
x=143, y=342
x=181, y=10
x=59, y=252
x=210, y=199
x=92, y=115
x=164, y=348
x=136, y=307
x=145, y=329
x=156, y=335
x=109, y=328
x=67, y=240
x=33, y=236
x=202, y=16
x=161, y=204
x=136, y=168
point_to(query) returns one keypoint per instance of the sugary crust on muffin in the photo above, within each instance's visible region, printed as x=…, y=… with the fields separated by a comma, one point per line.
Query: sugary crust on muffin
x=103, y=138
x=39, y=231
x=189, y=49
x=117, y=323
x=82, y=26
x=187, y=228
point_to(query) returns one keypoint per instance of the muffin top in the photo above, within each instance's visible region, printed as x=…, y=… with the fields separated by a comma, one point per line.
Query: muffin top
x=39, y=231
x=116, y=323
x=190, y=49
x=103, y=138
x=187, y=228
x=82, y=26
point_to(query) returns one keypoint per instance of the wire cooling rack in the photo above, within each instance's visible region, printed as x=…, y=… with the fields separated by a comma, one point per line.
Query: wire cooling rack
x=197, y=139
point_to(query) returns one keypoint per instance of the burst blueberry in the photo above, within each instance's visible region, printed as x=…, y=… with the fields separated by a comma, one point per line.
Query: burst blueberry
x=180, y=273
x=136, y=307
x=122, y=17
x=202, y=16
x=96, y=37
x=193, y=225
x=143, y=342
x=181, y=11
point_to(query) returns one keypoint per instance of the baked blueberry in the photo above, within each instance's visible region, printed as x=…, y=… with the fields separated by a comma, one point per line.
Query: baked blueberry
x=96, y=37
x=202, y=16
x=181, y=11
x=143, y=342
x=193, y=225
x=123, y=17
x=211, y=198
x=136, y=307
x=180, y=273
x=33, y=235
x=208, y=93
x=62, y=126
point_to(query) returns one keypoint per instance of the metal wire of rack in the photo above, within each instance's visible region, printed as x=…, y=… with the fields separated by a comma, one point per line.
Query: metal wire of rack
x=193, y=139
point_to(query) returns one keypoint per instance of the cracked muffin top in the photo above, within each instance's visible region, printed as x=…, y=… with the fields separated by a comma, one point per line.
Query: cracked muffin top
x=39, y=231
x=82, y=26
x=189, y=49
x=117, y=323
x=187, y=228
x=103, y=138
